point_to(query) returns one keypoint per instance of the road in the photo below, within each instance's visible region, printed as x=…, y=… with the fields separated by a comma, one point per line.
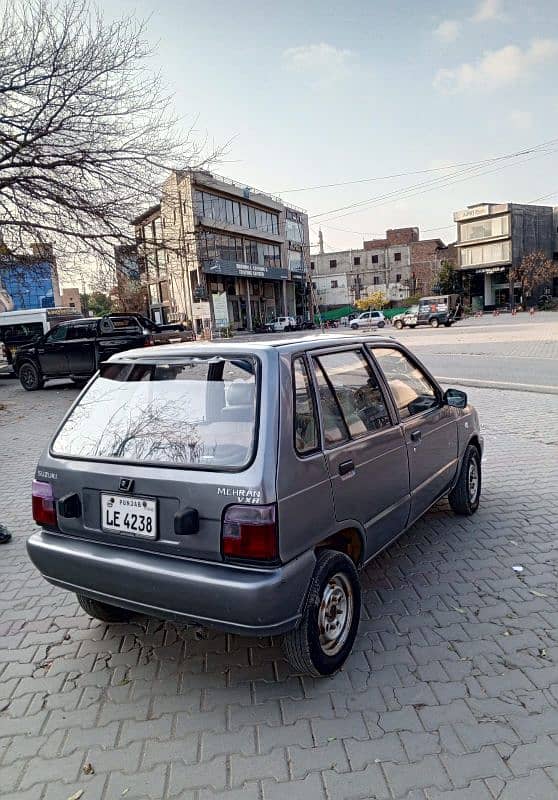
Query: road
x=451, y=692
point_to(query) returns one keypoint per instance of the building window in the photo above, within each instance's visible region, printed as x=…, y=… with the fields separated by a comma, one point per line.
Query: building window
x=484, y=229
x=334, y=284
x=374, y=259
x=397, y=256
x=356, y=261
x=333, y=263
x=375, y=280
x=486, y=254
x=398, y=278
x=311, y=265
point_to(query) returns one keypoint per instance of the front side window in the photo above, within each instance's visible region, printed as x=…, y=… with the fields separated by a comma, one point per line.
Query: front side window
x=411, y=389
x=357, y=391
x=57, y=334
x=305, y=428
x=199, y=412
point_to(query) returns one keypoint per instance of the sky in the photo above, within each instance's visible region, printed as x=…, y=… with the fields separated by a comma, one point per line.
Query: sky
x=311, y=93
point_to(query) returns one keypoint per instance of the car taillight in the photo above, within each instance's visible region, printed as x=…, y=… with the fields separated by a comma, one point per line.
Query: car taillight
x=250, y=533
x=44, y=509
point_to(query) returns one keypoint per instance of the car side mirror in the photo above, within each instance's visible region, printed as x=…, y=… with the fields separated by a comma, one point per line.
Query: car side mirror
x=455, y=398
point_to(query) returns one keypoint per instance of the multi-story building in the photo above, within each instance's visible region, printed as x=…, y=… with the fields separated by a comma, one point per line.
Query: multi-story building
x=492, y=238
x=399, y=265
x=222, y=254
x=70, y=298
x=29, y=280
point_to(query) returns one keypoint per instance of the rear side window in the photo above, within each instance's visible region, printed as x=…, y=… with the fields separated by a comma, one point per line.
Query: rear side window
x=305, y=427
x=357, y=391
x=334, y=428
x=412, y=391
x=198, y=413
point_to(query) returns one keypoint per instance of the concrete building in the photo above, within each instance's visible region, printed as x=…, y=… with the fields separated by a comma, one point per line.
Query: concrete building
x=70, y=299
x=222, y=254
x=491, y=239
x=399, y=265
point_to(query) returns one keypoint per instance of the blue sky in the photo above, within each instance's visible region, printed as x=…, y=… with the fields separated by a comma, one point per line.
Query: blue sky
x=312, y=93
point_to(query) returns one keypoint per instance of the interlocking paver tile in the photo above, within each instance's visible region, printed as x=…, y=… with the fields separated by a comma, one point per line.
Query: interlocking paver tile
x=451, y=694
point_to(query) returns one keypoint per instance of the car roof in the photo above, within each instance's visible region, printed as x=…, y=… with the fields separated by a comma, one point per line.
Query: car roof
x=247, y=346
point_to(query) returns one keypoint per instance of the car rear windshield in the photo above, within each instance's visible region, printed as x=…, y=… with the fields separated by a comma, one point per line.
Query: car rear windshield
x=197, y=413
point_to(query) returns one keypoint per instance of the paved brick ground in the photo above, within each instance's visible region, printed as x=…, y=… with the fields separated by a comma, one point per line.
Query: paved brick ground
x=451, y=693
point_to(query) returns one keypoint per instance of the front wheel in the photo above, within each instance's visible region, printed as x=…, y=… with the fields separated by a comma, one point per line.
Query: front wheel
x=326, y=633
x=447, y=324
x=398, y=324
x=464, y=498
x=434, y=322
x=30, y=377
x=103, y=611
x=354, y=327
x=381, y=324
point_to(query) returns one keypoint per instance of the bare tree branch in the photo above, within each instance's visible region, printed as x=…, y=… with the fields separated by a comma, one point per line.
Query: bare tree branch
x=86, y=138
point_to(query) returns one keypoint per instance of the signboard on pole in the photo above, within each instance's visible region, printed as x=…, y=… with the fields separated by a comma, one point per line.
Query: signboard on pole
x=221, y=310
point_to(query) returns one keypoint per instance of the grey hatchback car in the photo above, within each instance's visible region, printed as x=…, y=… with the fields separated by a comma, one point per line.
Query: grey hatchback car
x=242, y=486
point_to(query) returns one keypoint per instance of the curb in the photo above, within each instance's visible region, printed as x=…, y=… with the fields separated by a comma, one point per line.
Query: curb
x=508, y=387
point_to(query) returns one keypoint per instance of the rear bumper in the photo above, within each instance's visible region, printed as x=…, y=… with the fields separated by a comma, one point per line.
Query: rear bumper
x=236, y=599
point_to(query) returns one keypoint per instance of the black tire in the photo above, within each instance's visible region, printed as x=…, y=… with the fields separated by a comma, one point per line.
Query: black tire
x=398, y=324
x=103, y=611
x=30, y=377
x=381, y=324
x=464, y=498
x=447, y=324
x=79, y=382
x=306, y=647
x=413, y=326
x=354, y=327
x=434, y=322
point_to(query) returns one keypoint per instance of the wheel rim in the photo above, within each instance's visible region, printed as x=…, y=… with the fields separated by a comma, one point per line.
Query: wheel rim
x=473, y=480
x=434, y=323
x=335, y=614
x=27, y=376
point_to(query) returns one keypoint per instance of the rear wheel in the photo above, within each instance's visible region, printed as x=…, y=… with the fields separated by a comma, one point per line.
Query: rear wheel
x=447, y=324
x=324, y=638
x=465, y=496
x=103, y=611
x=354, y=327
x=30, y=377
x=381, y=324
x=398, y=324
x=434, y=322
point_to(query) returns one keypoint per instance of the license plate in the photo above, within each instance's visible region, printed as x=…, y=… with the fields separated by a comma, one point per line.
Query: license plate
x=135, y=516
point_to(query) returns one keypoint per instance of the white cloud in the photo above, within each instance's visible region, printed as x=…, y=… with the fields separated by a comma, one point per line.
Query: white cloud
x=319, y=60
x=522, y=120
x=448, y=30
x=497, y=68
x=488, y=10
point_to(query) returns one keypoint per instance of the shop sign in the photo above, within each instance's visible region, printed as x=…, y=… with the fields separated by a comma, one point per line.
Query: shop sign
x=221, y=310
x=221, y=267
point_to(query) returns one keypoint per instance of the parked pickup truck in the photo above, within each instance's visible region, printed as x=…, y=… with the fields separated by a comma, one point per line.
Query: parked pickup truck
x=75, y=349
x=433, y=311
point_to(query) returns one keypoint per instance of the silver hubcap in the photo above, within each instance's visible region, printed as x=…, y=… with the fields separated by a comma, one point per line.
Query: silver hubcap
x=336, y=614
x=473, y=481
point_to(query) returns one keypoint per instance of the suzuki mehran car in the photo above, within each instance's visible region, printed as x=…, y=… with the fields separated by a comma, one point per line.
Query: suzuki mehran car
x=243, y=485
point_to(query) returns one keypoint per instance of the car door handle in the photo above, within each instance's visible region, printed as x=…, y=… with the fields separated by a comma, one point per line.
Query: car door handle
x=346, y=466
x=416, y=436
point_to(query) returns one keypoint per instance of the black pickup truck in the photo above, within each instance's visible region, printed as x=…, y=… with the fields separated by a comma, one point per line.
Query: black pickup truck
x=75, y=349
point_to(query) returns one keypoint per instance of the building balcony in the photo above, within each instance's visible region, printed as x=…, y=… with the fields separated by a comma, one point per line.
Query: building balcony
x=238, y=230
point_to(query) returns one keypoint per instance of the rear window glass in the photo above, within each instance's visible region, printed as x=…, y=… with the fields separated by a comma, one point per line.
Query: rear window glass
x=198, y=413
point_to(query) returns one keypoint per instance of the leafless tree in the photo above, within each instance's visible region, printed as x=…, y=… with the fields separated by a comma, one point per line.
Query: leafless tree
x=535, y=270
x=86, y=137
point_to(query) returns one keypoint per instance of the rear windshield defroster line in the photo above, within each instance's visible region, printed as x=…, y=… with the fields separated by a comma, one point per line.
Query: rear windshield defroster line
x=195, y=412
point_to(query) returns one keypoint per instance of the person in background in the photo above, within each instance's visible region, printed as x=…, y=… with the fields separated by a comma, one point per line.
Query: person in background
x=4, y=535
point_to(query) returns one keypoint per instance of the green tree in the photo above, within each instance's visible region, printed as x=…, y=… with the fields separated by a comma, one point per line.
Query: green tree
x=99, y=303
x=374, y=300
x=448, y=279
x=534, y=271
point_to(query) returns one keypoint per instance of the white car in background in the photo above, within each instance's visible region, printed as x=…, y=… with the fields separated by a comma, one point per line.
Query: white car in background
x=368, y=319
